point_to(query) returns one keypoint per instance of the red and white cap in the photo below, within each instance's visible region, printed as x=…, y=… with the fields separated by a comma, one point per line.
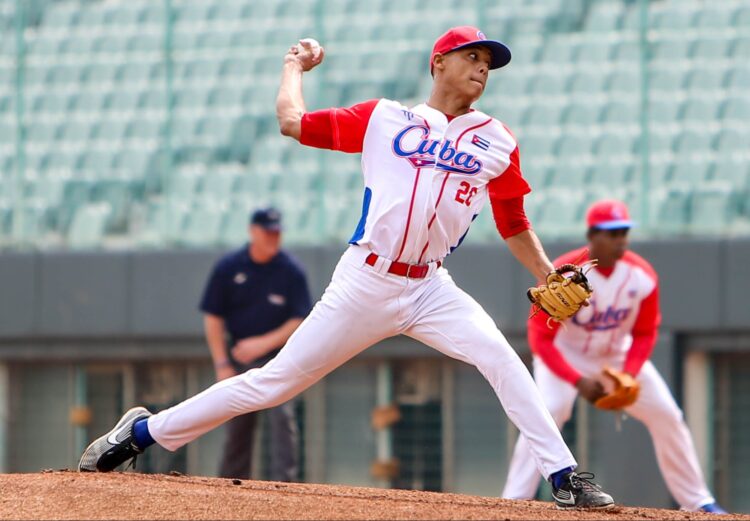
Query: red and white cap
x=608, y=214
x=465, y=36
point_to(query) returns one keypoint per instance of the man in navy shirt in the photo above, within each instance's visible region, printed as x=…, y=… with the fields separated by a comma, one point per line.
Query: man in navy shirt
x=255, y=299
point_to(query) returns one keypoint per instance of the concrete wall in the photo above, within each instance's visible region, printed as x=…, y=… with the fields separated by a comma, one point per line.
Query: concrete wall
x=66, y=295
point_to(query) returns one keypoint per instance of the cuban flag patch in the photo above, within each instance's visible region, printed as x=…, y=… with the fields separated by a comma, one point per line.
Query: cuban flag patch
x=480, y=142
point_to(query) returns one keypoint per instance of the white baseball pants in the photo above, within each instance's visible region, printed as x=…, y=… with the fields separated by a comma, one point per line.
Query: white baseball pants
x=655, y=407
x=361, y=306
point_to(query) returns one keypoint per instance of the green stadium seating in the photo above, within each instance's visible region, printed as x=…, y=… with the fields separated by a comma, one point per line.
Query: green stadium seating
x=97, y=120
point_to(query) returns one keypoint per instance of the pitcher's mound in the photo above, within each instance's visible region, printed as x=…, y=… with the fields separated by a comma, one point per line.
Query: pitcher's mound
x=70, y=495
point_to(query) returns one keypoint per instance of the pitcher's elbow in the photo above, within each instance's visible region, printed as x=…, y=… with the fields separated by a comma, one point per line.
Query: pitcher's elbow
x=290, y=128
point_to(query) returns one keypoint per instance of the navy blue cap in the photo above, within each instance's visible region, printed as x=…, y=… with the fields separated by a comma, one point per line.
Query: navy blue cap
x=267, y=218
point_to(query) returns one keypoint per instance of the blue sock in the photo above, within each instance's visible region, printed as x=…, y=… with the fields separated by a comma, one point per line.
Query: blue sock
x=140, y=432
x=557, y=478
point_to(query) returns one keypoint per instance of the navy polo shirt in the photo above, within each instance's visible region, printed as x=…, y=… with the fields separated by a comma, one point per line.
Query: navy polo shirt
x=253, y=298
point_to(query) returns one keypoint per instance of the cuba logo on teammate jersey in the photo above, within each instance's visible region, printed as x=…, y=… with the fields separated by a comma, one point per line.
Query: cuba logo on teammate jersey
x=592, y=320
x=412, y=144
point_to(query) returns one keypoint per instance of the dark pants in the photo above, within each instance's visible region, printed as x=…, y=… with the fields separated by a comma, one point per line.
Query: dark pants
x=238, y=447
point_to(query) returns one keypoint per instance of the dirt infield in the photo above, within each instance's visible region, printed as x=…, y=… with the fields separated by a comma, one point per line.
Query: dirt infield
x=70, y=495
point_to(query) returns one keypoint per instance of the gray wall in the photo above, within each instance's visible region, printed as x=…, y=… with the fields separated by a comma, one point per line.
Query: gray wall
x=136, y=305
x=127, y=295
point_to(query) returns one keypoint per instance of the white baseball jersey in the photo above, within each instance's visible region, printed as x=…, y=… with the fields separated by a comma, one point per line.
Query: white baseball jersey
x=426, y=178
x=617, y=330
x=605, y=327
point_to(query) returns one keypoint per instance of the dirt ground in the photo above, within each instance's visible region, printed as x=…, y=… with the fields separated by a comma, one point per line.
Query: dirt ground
x=70, y=495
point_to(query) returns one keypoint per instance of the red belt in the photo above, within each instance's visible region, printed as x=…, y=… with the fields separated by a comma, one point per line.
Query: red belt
x=403, y=269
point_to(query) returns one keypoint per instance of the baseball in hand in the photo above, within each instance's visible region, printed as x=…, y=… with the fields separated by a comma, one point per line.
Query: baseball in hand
x=308, y=53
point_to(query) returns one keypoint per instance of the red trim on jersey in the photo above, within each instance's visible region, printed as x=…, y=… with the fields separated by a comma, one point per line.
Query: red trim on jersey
x=645, y=332
x=408, y=219
x=440, y=195
x=434, y=215
x=337, y=128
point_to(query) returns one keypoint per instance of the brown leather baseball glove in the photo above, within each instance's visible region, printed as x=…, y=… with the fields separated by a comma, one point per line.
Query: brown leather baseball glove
x=625, y=392
x=562, y=296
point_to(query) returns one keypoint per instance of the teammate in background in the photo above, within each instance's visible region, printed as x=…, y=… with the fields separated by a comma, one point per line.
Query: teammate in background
x=428, y=170
x=256, y=298
x=617, y=330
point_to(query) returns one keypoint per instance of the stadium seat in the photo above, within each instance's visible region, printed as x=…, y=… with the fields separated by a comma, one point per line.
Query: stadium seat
x=671, y=50
x=692, y=142
x=603, y=18
x=712, y=18
x=620, y=113
x=731, y=140
x=593, y=52
x=567, y=175
x=689, y=172
x=558, y=50
x=710, y=206
x=542, y=115
x=203, y=225
x=627, y=51
x=672, y=19
x=741, y=17
x=609, y=175
x=666, y=80
x=736, y=109
x=586, y=83
x=738, y=79
x=708, y=79
x=710, y=49
x=582, y=114
x=664, y=111
x=670, y=208
x=740, y=49
x=699, y=110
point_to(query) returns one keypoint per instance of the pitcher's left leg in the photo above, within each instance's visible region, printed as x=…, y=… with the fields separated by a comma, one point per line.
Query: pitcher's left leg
x=449, y=320
x=675, y=451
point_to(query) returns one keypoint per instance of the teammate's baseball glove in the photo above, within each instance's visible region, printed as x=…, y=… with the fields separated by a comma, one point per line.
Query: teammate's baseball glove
x=562, y=296
x=624, y=393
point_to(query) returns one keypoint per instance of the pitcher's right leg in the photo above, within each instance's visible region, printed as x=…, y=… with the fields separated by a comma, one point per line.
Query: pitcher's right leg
x=358, y=309
x=342, y=324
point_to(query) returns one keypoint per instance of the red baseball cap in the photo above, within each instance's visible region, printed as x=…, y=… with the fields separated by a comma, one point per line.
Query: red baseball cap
x=466, y=36
x=608, y=214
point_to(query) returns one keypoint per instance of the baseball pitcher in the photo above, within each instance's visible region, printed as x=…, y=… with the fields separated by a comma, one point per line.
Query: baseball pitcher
x=428, y=171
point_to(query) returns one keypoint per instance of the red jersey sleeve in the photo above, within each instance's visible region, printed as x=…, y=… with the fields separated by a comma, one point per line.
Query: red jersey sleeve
x=337, y=128
x=542, y=342
x=644, y=333
x=506, y=193
x=510, y=217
